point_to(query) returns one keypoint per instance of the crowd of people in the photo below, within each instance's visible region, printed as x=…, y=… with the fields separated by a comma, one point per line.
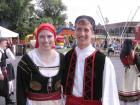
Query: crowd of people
x=83, y=76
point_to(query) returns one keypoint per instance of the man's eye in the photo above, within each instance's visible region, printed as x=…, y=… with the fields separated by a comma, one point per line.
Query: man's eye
x=86, y=30
x=78, y=29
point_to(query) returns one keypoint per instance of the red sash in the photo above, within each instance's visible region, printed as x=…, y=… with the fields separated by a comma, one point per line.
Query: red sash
x=43, y=97
x=72, y=100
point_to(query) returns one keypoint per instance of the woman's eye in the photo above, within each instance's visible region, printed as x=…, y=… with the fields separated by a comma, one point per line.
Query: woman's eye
x=49, y=36
x=41, y=36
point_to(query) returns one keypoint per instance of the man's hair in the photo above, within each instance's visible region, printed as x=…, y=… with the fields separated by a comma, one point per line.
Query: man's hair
x=88, y=18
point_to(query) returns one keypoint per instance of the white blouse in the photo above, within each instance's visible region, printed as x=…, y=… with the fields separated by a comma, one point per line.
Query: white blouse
x=49, y=72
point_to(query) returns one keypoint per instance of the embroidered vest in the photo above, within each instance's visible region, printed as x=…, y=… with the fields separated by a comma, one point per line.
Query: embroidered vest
x=37, y=83
x=93, y=75
x=3, y=60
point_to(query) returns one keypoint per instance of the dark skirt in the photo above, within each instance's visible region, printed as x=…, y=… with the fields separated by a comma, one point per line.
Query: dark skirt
x=4, y=89
x=11, y=73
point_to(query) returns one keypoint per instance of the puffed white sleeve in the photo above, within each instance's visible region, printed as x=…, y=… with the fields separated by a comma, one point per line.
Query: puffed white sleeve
x=10, y=55
x=110, y=92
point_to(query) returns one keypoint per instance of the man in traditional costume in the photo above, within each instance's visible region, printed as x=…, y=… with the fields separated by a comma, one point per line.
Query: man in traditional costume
x=39, y=72
x=89, y=76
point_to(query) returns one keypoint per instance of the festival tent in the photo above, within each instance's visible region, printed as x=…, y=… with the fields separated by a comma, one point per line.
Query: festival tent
x=7, y=33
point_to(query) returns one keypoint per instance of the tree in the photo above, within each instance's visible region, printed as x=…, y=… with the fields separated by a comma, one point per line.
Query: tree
x=21, y=16
x=15, y=14
x=53, y=9
x=34, y=22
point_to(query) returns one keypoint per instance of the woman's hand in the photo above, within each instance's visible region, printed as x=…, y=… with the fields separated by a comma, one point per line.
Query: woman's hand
x=1, y=77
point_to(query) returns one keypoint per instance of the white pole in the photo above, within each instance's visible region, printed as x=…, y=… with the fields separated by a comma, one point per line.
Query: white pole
x=130, y=20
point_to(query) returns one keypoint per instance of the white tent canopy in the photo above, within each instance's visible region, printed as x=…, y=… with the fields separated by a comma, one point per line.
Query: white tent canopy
x=7, y=33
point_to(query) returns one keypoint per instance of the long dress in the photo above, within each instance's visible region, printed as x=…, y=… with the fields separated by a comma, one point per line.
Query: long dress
x=38, y=78
x=4, y=89
x=129, y=91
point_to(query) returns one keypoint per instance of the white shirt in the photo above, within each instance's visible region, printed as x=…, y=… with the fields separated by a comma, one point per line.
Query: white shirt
x=79, y=72
x=9, y=54
x=110, y=92
x=49, y=72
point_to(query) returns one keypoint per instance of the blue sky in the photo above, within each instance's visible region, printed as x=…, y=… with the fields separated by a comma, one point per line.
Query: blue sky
x=114, y=10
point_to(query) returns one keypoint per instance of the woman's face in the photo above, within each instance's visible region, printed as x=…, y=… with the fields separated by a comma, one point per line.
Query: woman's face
x=3, y=44
x=46, y=39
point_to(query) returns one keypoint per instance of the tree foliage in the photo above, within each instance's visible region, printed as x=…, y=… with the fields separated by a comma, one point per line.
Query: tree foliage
x=53, y=9
x=21, y=16
x=15, y=14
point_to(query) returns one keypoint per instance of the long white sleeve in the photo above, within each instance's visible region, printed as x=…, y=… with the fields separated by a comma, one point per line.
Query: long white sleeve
x=10, y=55
x=110, y=92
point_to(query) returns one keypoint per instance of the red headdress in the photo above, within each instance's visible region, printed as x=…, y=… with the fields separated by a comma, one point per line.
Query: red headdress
x=44, y=26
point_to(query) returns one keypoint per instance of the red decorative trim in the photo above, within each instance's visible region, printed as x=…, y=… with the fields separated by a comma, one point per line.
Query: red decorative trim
x=88, y=80
x=71, y=73
x=43, y=97
x=131, y=93
x=93, y=74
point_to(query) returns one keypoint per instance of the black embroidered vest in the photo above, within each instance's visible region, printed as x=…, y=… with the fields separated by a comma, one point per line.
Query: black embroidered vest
x=3, y=60
x=37, y=83
x=93, y=74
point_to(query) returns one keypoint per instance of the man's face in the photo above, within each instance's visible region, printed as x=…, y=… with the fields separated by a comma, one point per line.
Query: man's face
x=83, y=33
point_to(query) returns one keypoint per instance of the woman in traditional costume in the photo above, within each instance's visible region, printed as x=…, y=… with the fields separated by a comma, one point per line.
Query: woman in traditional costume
x=129, y=92
x=4, y=88
x=10, y=69
x=39, y=71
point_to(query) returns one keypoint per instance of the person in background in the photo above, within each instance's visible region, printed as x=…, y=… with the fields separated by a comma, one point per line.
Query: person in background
x=10, y=68
x=129, y=86
x=4, y=88
x=89, y=76
x=39, y=72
